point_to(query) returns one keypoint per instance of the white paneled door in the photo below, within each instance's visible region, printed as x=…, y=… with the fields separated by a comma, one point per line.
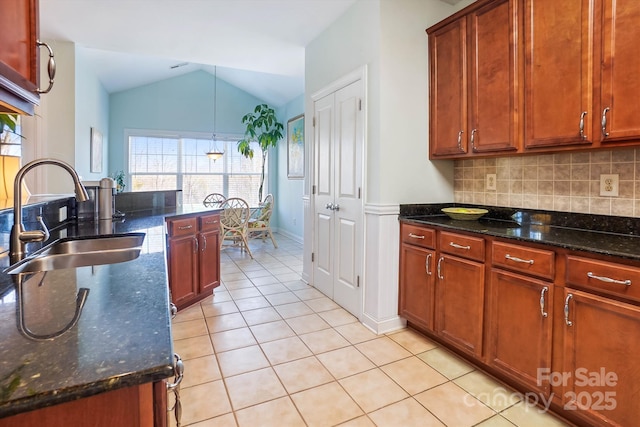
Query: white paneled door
x=338, y=229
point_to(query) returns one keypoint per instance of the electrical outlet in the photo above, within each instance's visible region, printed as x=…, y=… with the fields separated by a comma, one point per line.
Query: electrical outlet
x=609, y=185
x=491, y=181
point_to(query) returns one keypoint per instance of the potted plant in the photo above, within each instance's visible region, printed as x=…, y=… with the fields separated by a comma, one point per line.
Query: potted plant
x=8, y=121
x=262, y=126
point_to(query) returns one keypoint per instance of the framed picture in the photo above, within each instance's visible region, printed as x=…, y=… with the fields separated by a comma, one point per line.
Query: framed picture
x=295, y=147
x=96, y=150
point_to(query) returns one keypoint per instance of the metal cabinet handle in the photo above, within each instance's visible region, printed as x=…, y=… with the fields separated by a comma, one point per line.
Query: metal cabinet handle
x=473, y=139
x=179, y=370
x=542, y=303
x=195, y=239
x=604, y=122
x=460, y=140
x=336, y=207
x=51, y=67
x=627, y=282
x=457, y=246
x=427, y=264
x=173, y=310
x=204, y=243
x=185, y=227
x=215, y=221
x=440, y=276
x=329, y=206
x=566, y=310
x=516, y=259
x=582, y=135
x=415, y=236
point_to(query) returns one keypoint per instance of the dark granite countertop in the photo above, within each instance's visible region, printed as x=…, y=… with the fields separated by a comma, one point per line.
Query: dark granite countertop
x=123, y=335
x=601, y=234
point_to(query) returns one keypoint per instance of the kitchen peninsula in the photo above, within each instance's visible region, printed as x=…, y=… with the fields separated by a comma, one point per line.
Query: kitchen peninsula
x=120, y=352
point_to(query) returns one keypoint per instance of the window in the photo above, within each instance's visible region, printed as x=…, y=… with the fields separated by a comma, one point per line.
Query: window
x=171, y=162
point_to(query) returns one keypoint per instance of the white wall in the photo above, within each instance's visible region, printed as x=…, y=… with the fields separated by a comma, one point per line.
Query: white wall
x=388, y=38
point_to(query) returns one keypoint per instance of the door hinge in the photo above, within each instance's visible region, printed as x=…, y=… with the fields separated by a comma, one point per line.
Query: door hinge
x=313, y=189
x=359, y=192
x=359, y=104
x=313, y=257
x=314, y=122
x=358, y=281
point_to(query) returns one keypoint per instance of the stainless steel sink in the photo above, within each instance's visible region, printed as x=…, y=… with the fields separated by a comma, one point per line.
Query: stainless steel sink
x=81, y=252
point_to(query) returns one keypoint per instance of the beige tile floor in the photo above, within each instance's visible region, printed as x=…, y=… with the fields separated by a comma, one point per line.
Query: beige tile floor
x=269, y=350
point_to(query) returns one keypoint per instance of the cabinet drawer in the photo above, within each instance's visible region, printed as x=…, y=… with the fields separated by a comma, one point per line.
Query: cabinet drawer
x=613, y=278
x=536, y=262
x=182, y=227
x=209, y=222
x=461, y=245
x=420, y=236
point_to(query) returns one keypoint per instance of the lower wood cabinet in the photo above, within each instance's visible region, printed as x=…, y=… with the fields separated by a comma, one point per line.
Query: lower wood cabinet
x=193, y=255
x=131, y=406
x=460, y=303
x=417, y=291
x=560, y=324
x=600, y=374
x=520, y=313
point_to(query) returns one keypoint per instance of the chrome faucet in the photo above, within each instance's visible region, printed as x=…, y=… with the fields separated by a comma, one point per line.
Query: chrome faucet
x=19, y=236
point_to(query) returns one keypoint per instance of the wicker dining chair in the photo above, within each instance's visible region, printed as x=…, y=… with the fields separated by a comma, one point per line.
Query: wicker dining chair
x=260, y=224
x=214, y=200
x=234, y=223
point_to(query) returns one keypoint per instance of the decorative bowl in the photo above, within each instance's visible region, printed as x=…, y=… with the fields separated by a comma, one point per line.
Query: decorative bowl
x=465, y=214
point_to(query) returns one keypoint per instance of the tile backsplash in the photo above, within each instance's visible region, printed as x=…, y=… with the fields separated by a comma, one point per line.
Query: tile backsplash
x=568, y=182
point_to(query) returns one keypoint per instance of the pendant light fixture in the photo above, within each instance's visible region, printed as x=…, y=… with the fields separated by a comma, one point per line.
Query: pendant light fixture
x=214, y=153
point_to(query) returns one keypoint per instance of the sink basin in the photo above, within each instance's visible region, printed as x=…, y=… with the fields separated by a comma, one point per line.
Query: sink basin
x=81, y=252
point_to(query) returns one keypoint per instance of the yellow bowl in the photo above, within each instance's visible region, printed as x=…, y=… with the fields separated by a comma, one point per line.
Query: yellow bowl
x=466, y=214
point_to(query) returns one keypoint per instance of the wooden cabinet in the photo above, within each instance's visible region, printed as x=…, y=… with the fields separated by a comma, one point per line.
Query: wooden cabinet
x=520, y=312
x=193, y=255
x=131, y=406
x=527, y=76
x=617, y=118
x=417, y=278
x=562, y=324
x=601, y=345
x=459, y=308
x=474, y=82
x=558, y=46
x=19, y=63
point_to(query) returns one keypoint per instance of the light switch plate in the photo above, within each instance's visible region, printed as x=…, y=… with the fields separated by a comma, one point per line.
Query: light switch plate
x=491, y=181
x=609, y=185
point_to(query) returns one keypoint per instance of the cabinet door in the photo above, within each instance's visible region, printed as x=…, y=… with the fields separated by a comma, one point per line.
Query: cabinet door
x=448, y=96
x=19, y=55
x=209, y=260
x=620, y=87
x=494, y=82
x=183, y=269
x=460, y=303
x=558, y=72
x=520, y=325
x=417, y=285
x=602, y=343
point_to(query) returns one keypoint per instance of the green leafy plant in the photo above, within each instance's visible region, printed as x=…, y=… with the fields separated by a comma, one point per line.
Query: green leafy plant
x=118, y=177
x=262, y=126
x=8, y=124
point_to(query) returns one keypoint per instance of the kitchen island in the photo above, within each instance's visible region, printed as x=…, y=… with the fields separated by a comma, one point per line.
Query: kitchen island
x=122, y=338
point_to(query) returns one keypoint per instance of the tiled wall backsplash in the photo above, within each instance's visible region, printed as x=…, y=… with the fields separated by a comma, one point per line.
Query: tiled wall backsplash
x=568, y=182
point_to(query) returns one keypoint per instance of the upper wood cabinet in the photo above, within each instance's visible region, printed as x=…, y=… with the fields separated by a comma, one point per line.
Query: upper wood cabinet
x=617, y=119
x=533, y=76
x=19, y=64
x=475, y=94
x=558, y=72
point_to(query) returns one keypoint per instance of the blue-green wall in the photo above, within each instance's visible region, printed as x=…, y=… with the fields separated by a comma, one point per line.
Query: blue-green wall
x=183, y=103
x=289, y=206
